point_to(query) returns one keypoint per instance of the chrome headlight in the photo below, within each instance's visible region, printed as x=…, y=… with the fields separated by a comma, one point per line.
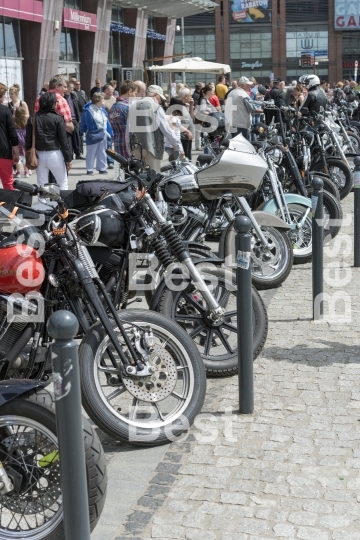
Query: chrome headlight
x=276, y=155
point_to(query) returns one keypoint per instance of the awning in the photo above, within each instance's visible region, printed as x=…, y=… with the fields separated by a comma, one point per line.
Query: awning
x=170, y=8
x=193, y=65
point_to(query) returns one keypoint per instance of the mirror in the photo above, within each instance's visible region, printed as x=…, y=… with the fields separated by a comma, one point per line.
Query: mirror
x=174, y=156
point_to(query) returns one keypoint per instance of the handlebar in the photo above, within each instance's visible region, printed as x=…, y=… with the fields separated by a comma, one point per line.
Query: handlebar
x=118, y=157
x=27, y=188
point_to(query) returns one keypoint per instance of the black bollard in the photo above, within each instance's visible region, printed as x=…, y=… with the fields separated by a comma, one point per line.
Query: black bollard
x=317, y=248
x=357, y=213
x=242, y=226
x=63, y=327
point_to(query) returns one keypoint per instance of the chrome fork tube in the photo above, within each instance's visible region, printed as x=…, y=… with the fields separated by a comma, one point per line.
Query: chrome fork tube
x=246, y=208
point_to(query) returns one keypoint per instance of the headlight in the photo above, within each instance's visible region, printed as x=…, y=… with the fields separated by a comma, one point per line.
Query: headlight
x=276, y=155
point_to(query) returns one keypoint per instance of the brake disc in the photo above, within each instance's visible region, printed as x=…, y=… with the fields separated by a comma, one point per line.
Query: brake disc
x=265, y=257
x=158, y=385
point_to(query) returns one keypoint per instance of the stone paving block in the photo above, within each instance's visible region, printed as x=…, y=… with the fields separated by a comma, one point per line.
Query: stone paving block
x=284, y=530
x=312, y=533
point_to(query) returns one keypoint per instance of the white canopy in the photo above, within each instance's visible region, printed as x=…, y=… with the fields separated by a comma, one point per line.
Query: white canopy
x=193, y=65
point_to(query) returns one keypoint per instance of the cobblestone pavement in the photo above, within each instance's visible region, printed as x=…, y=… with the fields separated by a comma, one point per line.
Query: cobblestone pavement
x=292, y=469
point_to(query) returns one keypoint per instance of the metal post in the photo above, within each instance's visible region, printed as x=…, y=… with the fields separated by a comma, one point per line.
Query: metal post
x=63, y=327
x=242, y=226
x=183, y=45
x=357, y=213
x=317, y=248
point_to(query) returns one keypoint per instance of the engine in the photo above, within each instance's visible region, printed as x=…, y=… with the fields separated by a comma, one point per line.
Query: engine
x=189, y=221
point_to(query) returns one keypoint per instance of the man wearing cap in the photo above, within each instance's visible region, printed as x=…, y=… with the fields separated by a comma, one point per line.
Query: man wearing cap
x=148, y=122
x=239, y=108
x=276, y=94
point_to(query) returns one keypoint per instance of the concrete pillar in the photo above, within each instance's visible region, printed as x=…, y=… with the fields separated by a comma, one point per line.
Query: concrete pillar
x=48, y=60
x=101, y=42
x=222, y=34
x=278, y=24
x=335, y=49
x=170, y=38
x=140, y=44
x=30, y=45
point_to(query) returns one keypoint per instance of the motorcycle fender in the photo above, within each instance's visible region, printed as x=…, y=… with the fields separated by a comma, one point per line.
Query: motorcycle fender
x=14, y=388
x=265, y=219
x=290, y=198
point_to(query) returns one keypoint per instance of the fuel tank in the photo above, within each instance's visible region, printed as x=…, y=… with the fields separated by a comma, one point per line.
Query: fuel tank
x=21, y=269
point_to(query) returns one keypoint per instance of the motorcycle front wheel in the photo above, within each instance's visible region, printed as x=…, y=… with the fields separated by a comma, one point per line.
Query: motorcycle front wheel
x=143, y=411
x=29, y=453
x=339, y=173
x=301, y=238
x=216, y=341
x=272, y=265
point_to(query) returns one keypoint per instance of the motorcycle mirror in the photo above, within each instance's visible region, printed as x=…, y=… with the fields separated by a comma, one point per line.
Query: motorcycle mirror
x=52, y=191
x=174, y=156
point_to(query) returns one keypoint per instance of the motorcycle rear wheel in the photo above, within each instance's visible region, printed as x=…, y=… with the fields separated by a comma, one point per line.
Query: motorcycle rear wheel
x=142, y=411
x=38, y=497
x=217, y=344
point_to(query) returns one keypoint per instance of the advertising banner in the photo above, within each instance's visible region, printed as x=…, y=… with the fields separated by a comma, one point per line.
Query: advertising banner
x=28, y=10
x=347, y=15
x=251, y=11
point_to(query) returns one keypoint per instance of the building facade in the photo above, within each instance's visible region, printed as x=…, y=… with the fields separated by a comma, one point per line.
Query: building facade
x=268, y=38
x=86, y=39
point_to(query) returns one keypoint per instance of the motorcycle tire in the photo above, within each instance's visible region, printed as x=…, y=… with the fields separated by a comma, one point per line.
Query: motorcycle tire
x=343, y=182
x=173, y=304
x=355, y=141
x=331, y=187
x=120, y=405
x=36, y=412
x=332, y=212
x=280, y=263
x=301, y=240
x=195, y=252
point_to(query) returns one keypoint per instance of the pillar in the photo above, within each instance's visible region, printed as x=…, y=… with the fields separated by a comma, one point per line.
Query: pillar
x=101, y=41
x=48, y=60
x=335, y=48
x=222, y=33
x=140, y=44
x=278, y=27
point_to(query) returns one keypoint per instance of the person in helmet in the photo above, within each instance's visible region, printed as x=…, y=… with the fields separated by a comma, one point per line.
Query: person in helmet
x=315, y=98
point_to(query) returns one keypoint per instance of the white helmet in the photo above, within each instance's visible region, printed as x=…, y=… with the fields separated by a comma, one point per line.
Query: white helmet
x=310, y=81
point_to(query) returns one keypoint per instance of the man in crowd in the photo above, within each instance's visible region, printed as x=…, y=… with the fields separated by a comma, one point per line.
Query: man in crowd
x=276, y=94
x=221, y=89
x=188, y=101
x=58, y=85
x=82, y=98
x=119, y=114
x=239, y=108
x=147, y=121
x=109, y=98
x=114, y=85
x=74, y=139
x=96, y=88
x=233, y=86
x=141, y=89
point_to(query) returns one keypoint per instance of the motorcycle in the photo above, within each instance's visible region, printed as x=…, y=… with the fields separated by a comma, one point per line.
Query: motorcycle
x=30, y=495
x=142, y=378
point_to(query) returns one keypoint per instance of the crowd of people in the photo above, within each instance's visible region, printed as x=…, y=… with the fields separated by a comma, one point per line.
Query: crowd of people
x=65, y=119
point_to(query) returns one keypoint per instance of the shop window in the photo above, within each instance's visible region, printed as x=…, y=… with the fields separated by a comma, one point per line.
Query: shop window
x=117, y=14
x=114, y=54
x=69, y=51
x=198, y=41
x=74, y=4
x=10, y=37
x=351, y=44
x=307, y=11
x=252, y=45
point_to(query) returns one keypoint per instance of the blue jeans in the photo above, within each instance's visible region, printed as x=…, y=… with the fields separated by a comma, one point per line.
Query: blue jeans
x=110, y=160
x=244, y=132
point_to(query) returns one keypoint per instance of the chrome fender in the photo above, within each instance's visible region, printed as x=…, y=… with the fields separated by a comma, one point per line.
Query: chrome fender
x=264, y=219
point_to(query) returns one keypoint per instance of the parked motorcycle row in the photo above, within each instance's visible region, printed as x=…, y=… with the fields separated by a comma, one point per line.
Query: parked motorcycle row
x=143, y=372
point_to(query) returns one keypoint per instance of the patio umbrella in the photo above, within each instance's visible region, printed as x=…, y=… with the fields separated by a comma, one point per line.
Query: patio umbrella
x=193, y=65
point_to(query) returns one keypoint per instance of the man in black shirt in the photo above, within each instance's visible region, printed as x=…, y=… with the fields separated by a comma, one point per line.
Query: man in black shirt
x=276, y=94
x=82, y=98
x=96, y=88
x=75, y=142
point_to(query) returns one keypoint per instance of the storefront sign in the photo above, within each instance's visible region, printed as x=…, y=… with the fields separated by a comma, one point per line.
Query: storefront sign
x=298, y=43
x=249, y=11
x=116, y=27
x=80, y=20
x=349, y=65
x=253, y=65
x=27, y=10
x=347, y=15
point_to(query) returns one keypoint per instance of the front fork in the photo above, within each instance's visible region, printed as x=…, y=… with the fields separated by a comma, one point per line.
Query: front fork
x=6, y=484
x=216, y=311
